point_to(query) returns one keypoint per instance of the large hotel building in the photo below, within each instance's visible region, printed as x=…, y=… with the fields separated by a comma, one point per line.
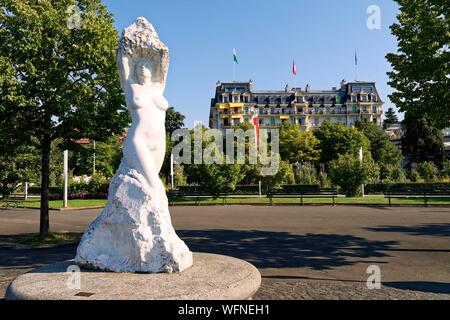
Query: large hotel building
x=237, y=102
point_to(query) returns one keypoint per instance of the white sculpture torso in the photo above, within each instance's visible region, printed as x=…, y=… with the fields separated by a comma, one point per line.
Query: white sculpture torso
x=134, y=233
x=145, y=145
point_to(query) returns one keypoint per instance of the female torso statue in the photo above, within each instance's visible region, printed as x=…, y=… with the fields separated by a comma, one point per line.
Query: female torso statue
x=143, y=64
x=134, y=232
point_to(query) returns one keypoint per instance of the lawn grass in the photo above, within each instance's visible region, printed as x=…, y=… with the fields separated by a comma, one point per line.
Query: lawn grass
x=58, y=204
x=368, y=200
x=51, y=239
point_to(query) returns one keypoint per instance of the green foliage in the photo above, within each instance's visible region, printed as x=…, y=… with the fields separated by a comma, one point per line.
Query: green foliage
x=445, y=172
x=18, y=166
x=305, y=173
x=349, y=173
x=284, y=175
x=108, y=155
x=174, y=120
x=393, y=174
x=214, y=177
x=179, y=178
x=421, y=140
x=428, y=171
x=415, y=176
x=383, y=151
x=391, y=118
x=60, y=82
x=297, y=145
x=421, y=66
x=336, y=140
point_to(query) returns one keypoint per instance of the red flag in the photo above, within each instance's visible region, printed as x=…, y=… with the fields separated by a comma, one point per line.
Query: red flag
x=294, y=68
x=256, y=128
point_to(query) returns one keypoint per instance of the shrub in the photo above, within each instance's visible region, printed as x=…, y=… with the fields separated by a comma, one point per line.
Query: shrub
x=349, y=173
x=428, y=170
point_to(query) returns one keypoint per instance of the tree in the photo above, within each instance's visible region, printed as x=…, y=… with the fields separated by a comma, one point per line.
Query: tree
x=383, y=151
x=336, y=140
x=421, y=66
x=108, y=155
x=174, y=120
x=391, y=118
x=16, y=167
x=61, y=78
x=297, y=145
x=421, y=141
x=349, y=173
x=428, y=171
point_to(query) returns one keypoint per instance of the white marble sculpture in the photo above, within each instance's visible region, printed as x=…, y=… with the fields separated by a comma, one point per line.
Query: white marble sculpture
x=134, y=232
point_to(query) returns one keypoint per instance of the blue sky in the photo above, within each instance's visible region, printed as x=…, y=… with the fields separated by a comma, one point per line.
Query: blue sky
x=321, y=36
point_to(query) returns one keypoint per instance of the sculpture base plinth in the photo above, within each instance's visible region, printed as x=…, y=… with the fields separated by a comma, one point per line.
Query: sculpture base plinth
x=212, y=277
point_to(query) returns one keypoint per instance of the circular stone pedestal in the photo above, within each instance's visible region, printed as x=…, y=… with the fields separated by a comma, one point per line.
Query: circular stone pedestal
x=212, y=277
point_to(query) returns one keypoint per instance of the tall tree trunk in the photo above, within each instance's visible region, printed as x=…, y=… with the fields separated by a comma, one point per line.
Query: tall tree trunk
x=45, y=185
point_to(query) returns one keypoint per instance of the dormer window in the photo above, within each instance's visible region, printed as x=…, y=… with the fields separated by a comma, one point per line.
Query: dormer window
x=236, y=99
x=225, y=99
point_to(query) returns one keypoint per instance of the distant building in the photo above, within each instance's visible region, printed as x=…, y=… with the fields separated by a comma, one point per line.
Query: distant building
x=237, y=102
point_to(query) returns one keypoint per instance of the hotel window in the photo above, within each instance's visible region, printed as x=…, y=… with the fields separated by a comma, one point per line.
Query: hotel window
x=354, y=98
x=261, y=100
x=272, y=122
x=374, y=109
x=272, y=100
x=283, y=99
x=236, y=99
x=316, y=122
x=300, y=99
x=225, y=99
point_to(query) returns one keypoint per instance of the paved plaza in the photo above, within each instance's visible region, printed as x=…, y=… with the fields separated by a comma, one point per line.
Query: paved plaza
x=311, y=252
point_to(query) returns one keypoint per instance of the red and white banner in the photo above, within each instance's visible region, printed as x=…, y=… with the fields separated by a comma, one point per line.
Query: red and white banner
x=294, y=68
x=256, y=128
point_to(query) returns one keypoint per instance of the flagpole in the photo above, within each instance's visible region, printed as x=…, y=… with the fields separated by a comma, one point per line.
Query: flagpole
x=234, y=71
x=356, y=66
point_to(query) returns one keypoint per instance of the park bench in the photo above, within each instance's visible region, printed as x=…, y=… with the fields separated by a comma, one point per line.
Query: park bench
x=416, y=193
x=196, y=195
x=13, y=200
x=302, y=193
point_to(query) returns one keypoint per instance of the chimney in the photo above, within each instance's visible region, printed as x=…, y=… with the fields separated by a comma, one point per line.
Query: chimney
x=286, y=88
x=307, y=88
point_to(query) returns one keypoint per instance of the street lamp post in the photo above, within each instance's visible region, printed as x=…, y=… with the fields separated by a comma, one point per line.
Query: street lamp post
x=361, y=158
x=66, y=178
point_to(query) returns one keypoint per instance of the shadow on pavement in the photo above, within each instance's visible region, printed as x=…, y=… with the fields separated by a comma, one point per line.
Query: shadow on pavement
x=263, y=249
x=20, y=257
x=436, y=229
x=422, y=286
x=284, y=250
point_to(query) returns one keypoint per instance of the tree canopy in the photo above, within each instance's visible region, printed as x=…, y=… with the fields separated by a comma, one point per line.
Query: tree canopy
x=421, y=67
x=335, y=139
x=60, y=80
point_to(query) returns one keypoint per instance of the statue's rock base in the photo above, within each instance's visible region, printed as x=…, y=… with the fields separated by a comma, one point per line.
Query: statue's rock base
x=212, y=277
x=134, y=232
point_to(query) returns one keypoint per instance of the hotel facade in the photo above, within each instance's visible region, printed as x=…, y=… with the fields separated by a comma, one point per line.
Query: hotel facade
x=237, y=102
